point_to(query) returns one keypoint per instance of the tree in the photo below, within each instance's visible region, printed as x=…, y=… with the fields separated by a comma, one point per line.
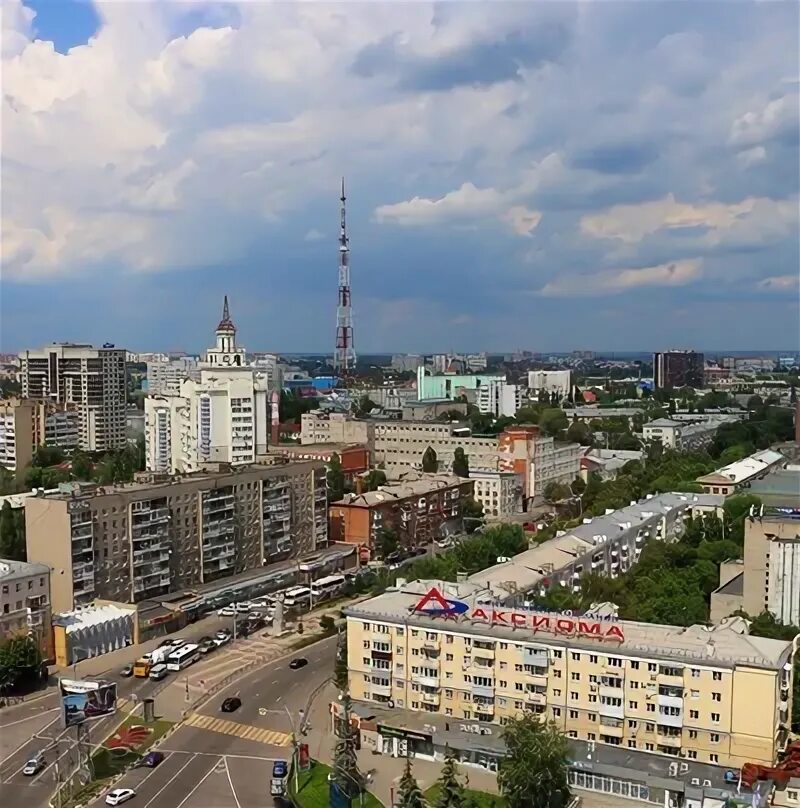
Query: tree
x=327, y=624
x=578, y=486
x=430, y=462
x=365, y=406
x=346, y=774
x=409, y=794
x=335, y=478
x=534, y=772
x=47, y=456
x=20, y=663
x=460, y=463
x=386, y=542
x=12, y=533
x=451, y=792
x=471, y=511
x=553, y=421
x=81, y=466
x=557, y=492
x=374, y=479
x=579, y=432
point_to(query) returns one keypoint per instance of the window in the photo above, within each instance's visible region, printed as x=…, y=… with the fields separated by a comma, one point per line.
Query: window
x=503, y=683
x=573, y=713
x=593, y=658
x=715, y=718
x=792, y=795
x=573, y=733
x=716, y=697
x=593, y=716
x=575, y=656
x=5, y=589
x=557, y=654
x=557, y=692
x=448, y=639
x=30, y=584
x=635, y=664
x=503, y=666
x=648, y=747
x=448, y=657
x=633, y=705
x=573, y=694
x=592, y=679
x=556, y=674
x=694, y=713
x=716, y=676
x=592, y=698
x=519, y=686
x=634, y=685
x=631, y=744
x=695, y=694
x=576, y=677
x=714, y=737
x=652, y=667
x=691, y=754
x=712, y=758
x=615, y=662
x=692, y=734
x=556, y=711
x=651, y=708
x=633, y=724
x=591, y=736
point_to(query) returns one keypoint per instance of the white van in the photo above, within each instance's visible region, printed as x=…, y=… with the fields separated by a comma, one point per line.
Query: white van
x=158, y=672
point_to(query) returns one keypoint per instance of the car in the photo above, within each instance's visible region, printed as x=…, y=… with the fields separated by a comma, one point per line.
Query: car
x=34, y=765
x=231, y=704
x=298, y=662
x=226, y=611
x=126, y=671
x=151, y=760
x=119, y=795
x=242, y=608
x=176, y=643
x=221, y=637
x=206, y=645
x=280, y=768
x=158, y=672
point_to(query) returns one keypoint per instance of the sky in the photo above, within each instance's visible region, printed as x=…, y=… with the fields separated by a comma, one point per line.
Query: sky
x=520, y=175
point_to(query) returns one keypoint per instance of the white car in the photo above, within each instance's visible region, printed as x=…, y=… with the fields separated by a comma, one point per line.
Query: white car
x=34, y=766
x=243, y=608
x=226, y=611
x=221, y=637
x=119, y=795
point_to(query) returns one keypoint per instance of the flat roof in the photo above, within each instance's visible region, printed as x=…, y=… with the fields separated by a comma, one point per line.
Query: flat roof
x=408, y=486
x=11, y=570
x=723, y=645
x=745, y=468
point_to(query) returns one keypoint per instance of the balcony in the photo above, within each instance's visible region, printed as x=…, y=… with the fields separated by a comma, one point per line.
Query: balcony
x=611, y=710
x=487, y=691
x=433, y=646
x=430, y=698
x=670, y=720
x=538, y=658
x=667, y=677
x=612, y=730
x=382, y=687
x=669, y=739
x=427, y=681
x=482, y=708
x=533, y=697
x=664, y=700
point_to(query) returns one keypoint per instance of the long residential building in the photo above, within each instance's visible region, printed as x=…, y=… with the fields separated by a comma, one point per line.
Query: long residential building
x=417, y=507
x=162, y=534
x=25, y=602
x=469, y=653
x=684, y=436
x=26, y=424
x=742, y=473
x=91, y=379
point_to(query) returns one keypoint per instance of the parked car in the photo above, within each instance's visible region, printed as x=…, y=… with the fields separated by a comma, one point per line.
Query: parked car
x=221, y=637
x=151, y=760
x=280, y=768
x=226, y=611
x=243, y=608
x=231, y=704
x=298, y=662
x=177, y=642
x=119, y=795
x=206, y=644
x=34, y=765
x=126, y=671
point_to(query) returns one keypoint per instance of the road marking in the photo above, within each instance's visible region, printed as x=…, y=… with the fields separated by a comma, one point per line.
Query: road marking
x=174, y=776
x=245, y=731
x=209, y=772
x=216, y=754
x=230, y=783
x=35, y=715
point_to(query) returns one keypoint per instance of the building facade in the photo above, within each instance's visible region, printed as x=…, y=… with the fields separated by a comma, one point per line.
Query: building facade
x=91, y=379
x=417, y=507
x=500, y=493
x=460, y=651
x=26, y=424
x=164, y=534
x=25, y=602
x=165, y=375
x=684, y=436
x=450, y=385
x=673, y=369
x=549, y=382
x=320, y=426
x=742, y=473
x=499, y=398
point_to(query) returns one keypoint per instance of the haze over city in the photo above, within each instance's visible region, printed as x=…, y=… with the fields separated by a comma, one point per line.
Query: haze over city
x=550, y=176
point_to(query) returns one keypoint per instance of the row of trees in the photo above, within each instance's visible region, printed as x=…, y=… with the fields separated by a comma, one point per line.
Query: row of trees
x=20, y=664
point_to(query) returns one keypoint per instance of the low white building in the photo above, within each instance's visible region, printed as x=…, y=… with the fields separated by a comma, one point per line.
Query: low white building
x=499, y=492
x=549, y=381
x=93, y=631
x=681, y=435
x=498, y=398
x=736, y=475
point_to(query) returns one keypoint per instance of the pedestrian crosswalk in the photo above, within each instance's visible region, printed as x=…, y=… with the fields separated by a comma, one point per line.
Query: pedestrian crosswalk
x=245, y=731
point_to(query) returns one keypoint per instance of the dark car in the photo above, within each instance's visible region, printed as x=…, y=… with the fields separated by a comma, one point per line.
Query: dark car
x=280, y=768
x=126, y=671
x=151, y=760
x=231, y=705
x=300, y=662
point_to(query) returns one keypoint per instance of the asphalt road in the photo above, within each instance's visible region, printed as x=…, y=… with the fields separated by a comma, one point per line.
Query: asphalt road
x=36, y=726
x=228, y=764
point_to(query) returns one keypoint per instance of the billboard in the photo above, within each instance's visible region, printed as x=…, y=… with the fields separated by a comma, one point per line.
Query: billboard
x=84, y=701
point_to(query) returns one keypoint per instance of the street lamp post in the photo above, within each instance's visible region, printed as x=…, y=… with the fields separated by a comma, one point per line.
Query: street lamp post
x=295, y=756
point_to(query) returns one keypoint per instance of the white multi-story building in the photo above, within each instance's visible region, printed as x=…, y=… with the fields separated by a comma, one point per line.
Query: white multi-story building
x=93, y=379
x=549, y=381
x=25, y=602
x=498, y=398
x=165, y=376
x=223, y=417
x=681, y=435
x=500, y=493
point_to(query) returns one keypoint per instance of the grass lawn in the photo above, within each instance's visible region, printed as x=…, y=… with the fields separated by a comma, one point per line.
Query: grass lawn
x=479, y=799
x=313, y=789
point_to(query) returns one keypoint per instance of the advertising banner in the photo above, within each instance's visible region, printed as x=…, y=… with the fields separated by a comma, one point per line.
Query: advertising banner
x=85, y=700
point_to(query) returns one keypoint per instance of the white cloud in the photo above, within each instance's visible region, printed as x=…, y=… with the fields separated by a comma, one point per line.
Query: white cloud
x=752, y=156
x=775, y=118
x=612, y=282
x=779, y=283
x=522, y=220
x=313, y=235
x=752, y=218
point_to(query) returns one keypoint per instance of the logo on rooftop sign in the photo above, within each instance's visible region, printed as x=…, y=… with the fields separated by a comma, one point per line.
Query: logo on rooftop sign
x=435, y=604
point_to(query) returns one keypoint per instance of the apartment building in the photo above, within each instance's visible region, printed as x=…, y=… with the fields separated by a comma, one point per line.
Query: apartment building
x=25, y=602
x=734, y=476
x=767, y=578
x=451, y=385
x=469, y=654
x=549, y=382
x=499, y=398
x=91, y=379
x=165, y=375
x=674, y=369
x=26, y=424
x=500, y=493
x=320, y=426
x=684, y=436
x=417, y=507
x=164, y=534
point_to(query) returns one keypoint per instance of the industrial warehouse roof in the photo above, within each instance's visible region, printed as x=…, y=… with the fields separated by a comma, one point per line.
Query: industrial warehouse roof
x=723, y=645
x=745, y=469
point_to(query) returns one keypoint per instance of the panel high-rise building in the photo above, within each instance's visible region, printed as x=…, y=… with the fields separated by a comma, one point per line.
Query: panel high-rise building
x=673, y=369
x=93, y=379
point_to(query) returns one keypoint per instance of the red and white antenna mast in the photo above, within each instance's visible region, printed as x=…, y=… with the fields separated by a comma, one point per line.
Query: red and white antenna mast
x=344, y=357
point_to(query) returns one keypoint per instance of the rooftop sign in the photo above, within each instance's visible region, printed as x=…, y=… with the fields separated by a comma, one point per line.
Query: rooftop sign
x=434, y=604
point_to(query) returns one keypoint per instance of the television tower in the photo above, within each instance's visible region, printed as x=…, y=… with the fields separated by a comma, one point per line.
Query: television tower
x=344, y=357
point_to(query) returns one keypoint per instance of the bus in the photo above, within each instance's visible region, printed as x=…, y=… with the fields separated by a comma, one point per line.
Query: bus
x=185, y=655
x=327, y=587
x=297, y=596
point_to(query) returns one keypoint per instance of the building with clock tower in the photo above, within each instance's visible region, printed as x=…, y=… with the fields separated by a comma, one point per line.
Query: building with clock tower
x=226, y=353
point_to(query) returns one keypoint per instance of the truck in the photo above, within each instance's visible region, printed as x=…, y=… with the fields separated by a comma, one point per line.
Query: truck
x=145, y=663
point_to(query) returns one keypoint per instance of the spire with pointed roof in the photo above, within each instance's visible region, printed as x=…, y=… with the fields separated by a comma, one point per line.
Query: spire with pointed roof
x=226, y=324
